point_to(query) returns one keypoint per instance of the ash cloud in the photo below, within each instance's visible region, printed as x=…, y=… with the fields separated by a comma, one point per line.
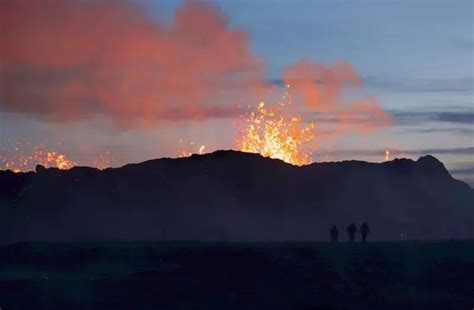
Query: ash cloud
x=428, y=85
x=67, y=61
x=404, y=152
x=64, y=61
x=463, y=116
x=322, y=88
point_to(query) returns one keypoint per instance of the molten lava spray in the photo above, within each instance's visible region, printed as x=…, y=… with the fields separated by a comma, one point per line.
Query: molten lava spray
x=19, y=157
x=272, y=132
x=22, y=161
x=184, y=151
x=103, y=161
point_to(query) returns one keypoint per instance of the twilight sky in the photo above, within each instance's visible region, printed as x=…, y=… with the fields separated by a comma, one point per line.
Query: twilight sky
x=132, y=78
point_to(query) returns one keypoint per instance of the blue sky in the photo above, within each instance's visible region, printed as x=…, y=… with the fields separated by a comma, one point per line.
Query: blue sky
x=415, y=56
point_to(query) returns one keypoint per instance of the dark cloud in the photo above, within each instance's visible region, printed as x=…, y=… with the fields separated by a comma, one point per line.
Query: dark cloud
x=437, y=85
x=468, y=170
x=463, y=171
x=414, y=117
x=461, y=84
x=402, y=153
x=455, y=130
x=454, y=151
x=455, y=117
x=408, y=117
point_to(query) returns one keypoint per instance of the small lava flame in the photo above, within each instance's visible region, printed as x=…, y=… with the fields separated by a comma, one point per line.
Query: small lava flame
x=271, y=132
x=201, y=149
x=22, y=162
x=104, y=161
x=387, y=155
x=185, y=152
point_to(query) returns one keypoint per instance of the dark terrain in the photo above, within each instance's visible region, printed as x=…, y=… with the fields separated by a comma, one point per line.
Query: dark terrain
x=234, y=196
x=197, y=275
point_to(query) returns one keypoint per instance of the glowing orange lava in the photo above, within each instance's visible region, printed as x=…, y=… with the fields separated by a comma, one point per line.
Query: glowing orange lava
x=104, y=161
x=23, y=162
x=272, y=132
x=201, y=149
x=185, y=152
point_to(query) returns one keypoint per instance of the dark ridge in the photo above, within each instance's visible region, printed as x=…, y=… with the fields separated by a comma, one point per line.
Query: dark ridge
x=230, y=195
x=430, y=165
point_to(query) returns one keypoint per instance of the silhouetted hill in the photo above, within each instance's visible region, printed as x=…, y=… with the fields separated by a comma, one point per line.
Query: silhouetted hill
x=229, y=195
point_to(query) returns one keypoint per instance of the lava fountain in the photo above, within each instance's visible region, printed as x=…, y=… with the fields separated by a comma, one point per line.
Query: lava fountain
x=24, y=158
x=272, y=132
x=22, y=161
x=103, y=161
x=186, y=152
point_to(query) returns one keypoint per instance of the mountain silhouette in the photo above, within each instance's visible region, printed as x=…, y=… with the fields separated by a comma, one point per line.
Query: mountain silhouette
x=230, y=195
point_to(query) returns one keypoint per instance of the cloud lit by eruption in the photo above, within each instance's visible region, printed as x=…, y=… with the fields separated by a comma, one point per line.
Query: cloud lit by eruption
x=323, y=87
x=67, y=61
x=320, y=84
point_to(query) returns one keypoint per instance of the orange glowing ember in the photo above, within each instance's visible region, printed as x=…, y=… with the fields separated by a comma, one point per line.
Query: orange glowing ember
x=185, y=152
x=271, y=132
x=104, y=161
x=22, y=162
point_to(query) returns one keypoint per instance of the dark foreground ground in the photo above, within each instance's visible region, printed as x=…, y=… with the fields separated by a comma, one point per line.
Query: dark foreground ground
x=194, y=275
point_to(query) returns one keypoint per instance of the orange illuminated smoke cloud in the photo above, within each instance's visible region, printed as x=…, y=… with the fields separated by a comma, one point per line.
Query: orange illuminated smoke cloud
x=334, y=90
x=72, y=60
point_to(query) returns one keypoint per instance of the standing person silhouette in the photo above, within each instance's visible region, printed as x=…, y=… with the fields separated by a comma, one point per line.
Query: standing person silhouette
x=364, y=230
x=351, y=230
x=334, y=233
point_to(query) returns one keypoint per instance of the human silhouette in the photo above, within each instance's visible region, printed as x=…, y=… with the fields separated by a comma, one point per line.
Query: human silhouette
x=334, y=233
x=364, y=230
x=351, y=230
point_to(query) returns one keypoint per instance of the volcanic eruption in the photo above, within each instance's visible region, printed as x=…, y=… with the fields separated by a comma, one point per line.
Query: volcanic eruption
x=193, y=68
x=271, y=132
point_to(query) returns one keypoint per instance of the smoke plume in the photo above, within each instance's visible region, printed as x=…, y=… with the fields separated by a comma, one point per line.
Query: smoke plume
x=322, y=88
x=69, y=60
